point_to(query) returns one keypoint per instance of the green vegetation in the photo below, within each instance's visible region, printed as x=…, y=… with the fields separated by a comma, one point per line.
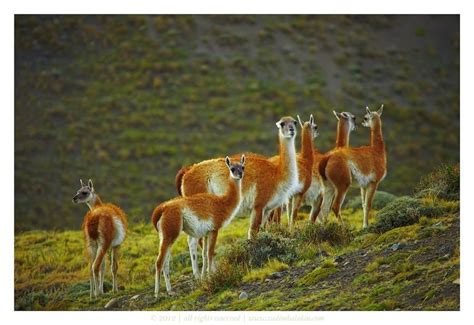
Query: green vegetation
x=128, y=100
x=314, y=267
x=381, y=199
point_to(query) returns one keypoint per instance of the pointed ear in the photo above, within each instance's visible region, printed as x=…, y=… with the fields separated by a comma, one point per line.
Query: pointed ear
x=242, y=160
x=336, y=115
x=311, y=119
x=299, y=120
x=367, y=109
x=90, y=184
x=278, y=124
x=380, y=110
x=82, y=184
x=227, y=161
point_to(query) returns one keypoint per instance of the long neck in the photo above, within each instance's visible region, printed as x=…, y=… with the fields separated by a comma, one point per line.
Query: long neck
x=287, y=155
x=94, y=202
x=307, y=144
x=376, y=137
x=343, y=132
x=233, y=194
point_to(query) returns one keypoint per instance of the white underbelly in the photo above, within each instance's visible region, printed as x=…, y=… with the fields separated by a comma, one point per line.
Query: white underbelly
x=362, y=180
x=194, y=226
x=313, y=192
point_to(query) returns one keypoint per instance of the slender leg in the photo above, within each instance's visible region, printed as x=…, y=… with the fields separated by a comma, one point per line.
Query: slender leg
x=166, y=272
x=164, y=247
x=193, y=244
x=278, y=215
x=256, y=221
x=92, y=255
x=296, y=203
x=363, y=192
x=114, y=268
x=211, y=246
x=339, y=199
x=368, y=202
x=316, y=208
x=204, y=256
x=96, y=266
x=101, y=276
x=326, y=204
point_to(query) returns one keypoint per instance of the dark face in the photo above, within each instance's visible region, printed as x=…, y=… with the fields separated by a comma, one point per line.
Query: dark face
x=351, y=120
x=237, y=170
x=83, y=195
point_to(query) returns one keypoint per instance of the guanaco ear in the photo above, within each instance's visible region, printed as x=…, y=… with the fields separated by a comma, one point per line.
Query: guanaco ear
x=336, y=115
x=91, y=186
x=380, y=110
x=299, y=120
x=82, y=184
x=311, y=119
x=242, y=160
x=227, y=161
x=367, y=109
x=278, y=124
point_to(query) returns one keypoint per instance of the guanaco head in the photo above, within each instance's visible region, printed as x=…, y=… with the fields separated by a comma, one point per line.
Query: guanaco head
x=287, y=127
x=236, y=169
x=371, y=117
x=85, y=194
x=310, y=125
x=347, y=118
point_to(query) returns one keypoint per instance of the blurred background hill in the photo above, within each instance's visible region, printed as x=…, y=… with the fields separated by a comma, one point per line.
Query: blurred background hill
x=128, y=100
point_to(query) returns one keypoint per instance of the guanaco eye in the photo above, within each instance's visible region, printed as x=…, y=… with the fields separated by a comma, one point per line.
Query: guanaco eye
x=232, y=169
x=84, y=192
x=282, y=124
x=243, y=168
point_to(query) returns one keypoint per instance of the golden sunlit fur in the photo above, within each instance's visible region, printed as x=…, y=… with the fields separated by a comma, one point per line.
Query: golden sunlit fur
x=200, y=216
x=367, y=165
x=266, y=185
x=105, y=227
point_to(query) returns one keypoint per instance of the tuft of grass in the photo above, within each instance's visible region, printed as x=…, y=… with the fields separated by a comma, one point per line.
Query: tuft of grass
x=320, y=273
x=260, y=274
x=442, y=183
x=331, y=232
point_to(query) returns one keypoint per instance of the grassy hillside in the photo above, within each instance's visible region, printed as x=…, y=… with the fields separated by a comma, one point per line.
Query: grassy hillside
x=409, y=259
x=128, y=100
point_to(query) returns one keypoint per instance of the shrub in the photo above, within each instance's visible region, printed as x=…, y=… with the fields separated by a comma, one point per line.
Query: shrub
x=442, y=183
x=406, y=211
x=332, y=232
x=268, y=246
x=381, y=199
x=227, y=275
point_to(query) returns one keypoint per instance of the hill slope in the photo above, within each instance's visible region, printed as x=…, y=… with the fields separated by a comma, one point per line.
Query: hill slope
x=409, y=259
x=128, y=100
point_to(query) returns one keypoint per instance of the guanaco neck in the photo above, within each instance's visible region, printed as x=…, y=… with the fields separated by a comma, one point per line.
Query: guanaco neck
x=342, y=135
x=287, y=163
x=376, y=138
x=94, y=202
x=307, y=144
x=233, y=194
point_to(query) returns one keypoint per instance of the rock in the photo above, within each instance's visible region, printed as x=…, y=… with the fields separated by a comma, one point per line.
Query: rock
x=268, y=280
x=397, y=246
x=112, y=303
x=339, y=259
x=135, y=297
x=346, y=263
x=384, y=266
x=243, y=295
x=276, y=275
x=457, y=281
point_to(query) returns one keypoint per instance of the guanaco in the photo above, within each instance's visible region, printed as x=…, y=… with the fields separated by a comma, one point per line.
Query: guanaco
x=346, y=123
x=105, y=227
x=200, y=216
x=367, y=165
x=304, y=160
x=266, y=186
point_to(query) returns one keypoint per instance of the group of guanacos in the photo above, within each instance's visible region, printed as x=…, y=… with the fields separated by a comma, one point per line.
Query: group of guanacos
x=213, y=192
